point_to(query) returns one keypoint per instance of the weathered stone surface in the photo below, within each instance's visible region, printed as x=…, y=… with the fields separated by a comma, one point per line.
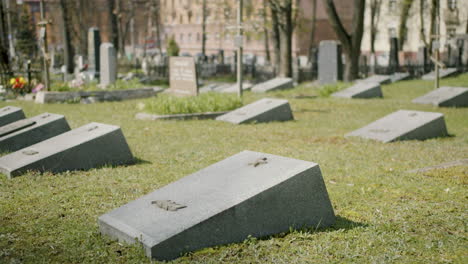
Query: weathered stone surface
x=263, y=110
x=404, y=125
x=234, y=88
x=86, y=147
x=380, y=79
x=26, y=132
x=445, y=96
x=273, y=84
x=207, y=115
x=99, y=96
x=250, y=193
x=183, y=77
x=108, y=62
x=213, y=87
x=399, y=76
x=442, y=74
x=330, y=66
x=360, y=90
x=9, y=114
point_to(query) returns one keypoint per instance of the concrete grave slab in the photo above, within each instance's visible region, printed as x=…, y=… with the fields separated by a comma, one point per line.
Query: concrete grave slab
x=263, y=110
x=399, y=76
x=233, y=88
x=273, y=84
x=404, y=125
x=380, y=79
x=250, y=193
x=330, y=65
x=86, y=147
x=26, y=132
x=214, y=87
x=361, y=90
x=445, y=96
x=442, y=74
x=9, y=114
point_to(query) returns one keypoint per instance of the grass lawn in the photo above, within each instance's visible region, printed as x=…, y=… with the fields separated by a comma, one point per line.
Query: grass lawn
x=384, y=214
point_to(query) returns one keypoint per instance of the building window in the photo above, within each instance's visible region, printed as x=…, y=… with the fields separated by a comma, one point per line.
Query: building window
x=189, y=37
x=392, y=5
x=452, y=4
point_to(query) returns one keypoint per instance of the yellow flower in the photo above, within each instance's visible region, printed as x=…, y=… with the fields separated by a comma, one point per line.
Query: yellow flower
x=12, y=81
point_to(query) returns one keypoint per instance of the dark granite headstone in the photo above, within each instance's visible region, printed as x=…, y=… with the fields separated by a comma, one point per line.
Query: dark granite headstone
x=94, y=44
x=393, y=59
x=330, y=66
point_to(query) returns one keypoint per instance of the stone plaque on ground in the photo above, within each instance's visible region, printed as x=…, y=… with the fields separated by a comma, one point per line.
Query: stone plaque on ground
x=9, y=114
x=94, y=44
x=445, y=96
x=360, y=90
x=86, y=147
x=442, y=74
x=108, y=61
x=263, y=110
x=381, y=79
x=404, y=125
x=273, y=84
x=250, y=193
x=183, y=76
x=23, y=133
x=330, y=66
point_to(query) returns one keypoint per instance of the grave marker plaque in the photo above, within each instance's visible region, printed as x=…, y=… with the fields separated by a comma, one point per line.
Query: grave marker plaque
x=9, y=114
x=445, y=96
x=250, y=193
x=263, y=110
x=361, y=90
x=183, y=76
x=404, y=125
x=273, y=84
x=86, y=147
x=23, y=133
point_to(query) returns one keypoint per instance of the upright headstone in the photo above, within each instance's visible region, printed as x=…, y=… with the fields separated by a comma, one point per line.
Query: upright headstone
x=86, y=147
x=108, y=64
x=273, y=84
x=422, y=58
x=248, y=194
x=361, y=90
x=221, y=56
x=404, y=125
x=263, y=110
x=9, y=114
x=94, y=44
x=445, y=96
x=330, y=66
x=25, y=132
x=393, y=59
x=183, y=76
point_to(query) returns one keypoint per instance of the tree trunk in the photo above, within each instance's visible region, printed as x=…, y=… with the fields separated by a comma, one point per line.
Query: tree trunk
x=157, y=21
x=432, y=30
x=265, y=33
x=351, y=43
x=285, y=29
x=114, y=30
x=67, y=47
x=402, y=29
x=4, y=57
x=312, y=31
x=204, y=15
x=276, y=36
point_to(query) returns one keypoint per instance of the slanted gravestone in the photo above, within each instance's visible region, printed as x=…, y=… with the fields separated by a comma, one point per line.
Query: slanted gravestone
x=263, y=110
x=9, y=114
x=86, y=147
x=248, y=194
x=404, y=125
x=330, y=65
x=213, y=87
x=94, y=44
x=381, y=79
x=273, y=84
x=108, y=64
x=443, y=73
x=234, y=88
x=445, y=96
x=361, y=90
x=399, y=76
x=183, y=76
x=25, y=132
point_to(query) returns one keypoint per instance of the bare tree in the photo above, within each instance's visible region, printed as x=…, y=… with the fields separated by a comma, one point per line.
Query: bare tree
x=432, y=26
x=67, y=46
x=351, y=42
x=404, y=15
x=312, y=31
x=275, y=36
x=4, y=57
x=204, y=17
x=284, y=16
x=266, y=42
x=374, y=22
x=113, y=10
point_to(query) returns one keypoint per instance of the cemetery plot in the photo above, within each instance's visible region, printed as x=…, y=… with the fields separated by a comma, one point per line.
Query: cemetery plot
x=263, y=110
x=86, y=147
x=183, y=76
x=330, y=66
x=10, y=114
x=380, y=79
x=273, y=84
x=23, y=133
x=404, y=125
x=250, y=193
x=445, y=96
x=442, y=74
x=361, y=90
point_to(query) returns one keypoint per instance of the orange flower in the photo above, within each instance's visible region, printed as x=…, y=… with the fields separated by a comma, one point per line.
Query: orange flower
x=18, y=82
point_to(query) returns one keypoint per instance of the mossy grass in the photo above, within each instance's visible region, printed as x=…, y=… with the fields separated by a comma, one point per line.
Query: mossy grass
x=166, y=104
x=384, y=214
